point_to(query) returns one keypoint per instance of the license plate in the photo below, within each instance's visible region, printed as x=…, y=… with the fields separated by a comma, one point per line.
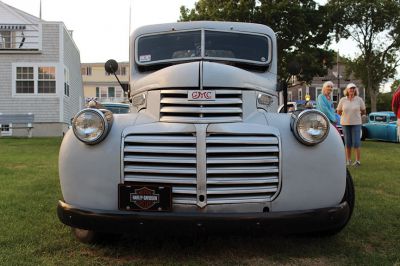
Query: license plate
x=133, y=197
x=201, y=95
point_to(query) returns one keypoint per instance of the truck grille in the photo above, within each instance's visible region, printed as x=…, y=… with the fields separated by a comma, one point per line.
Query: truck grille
x=175, y=107
x=163, y=158
x=242, y=168
x=239, y=168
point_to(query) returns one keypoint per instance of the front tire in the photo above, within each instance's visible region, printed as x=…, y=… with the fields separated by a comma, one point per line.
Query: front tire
x=86, y=236
x=363, y=133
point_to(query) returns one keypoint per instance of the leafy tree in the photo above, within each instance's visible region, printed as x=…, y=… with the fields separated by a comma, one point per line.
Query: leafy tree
x=302, y=28
x=375, y=26
x=384, y=102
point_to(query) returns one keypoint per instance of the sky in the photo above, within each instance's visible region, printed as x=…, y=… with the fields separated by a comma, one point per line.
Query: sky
x=101, y=27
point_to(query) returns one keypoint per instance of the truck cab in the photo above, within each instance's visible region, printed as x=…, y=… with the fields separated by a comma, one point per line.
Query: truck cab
x=203, y=144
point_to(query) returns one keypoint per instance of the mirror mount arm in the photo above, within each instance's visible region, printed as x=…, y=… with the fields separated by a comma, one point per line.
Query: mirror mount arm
x=115, y=74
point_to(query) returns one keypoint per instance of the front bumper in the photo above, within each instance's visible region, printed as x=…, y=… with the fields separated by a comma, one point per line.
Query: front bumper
x=123, y=221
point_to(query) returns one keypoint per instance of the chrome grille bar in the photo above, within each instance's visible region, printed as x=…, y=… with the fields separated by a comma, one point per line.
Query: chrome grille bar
x=176, y=107
x=165, y=158
x=242, y=168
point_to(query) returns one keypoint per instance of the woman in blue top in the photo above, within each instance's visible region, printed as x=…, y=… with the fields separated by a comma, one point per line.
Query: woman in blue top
x=325, y=104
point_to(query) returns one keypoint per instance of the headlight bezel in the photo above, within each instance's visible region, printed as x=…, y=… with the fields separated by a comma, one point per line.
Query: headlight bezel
x=265, y=101
x=106, y=119
x=297, y=118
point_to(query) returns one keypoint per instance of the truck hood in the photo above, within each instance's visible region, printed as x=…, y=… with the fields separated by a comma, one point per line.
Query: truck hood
x=204, y=75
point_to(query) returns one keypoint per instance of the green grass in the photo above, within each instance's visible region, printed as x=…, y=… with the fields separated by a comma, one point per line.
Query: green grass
x=31, y=234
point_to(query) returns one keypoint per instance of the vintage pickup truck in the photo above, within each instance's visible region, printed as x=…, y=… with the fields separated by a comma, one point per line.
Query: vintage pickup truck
x=203, y=145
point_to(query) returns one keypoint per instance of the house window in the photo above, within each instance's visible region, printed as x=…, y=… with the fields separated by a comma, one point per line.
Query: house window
x=66, y=82
x=290, y=96
x=111, y=92
x=86, y=71
x=103, y=92
x=5, y=129
x=7, y=39
x=34, y=80
x=123, y=71
x=300, y=94
x=25, y=82
x=47, y=80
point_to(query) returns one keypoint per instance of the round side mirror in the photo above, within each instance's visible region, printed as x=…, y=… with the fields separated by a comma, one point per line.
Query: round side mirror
x=111, y=66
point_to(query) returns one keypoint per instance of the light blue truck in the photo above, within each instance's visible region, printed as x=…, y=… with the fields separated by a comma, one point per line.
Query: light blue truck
x=203, y=145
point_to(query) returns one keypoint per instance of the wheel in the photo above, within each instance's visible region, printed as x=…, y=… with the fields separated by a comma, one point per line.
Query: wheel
x=86, y=236
x=349, y=194
x=363, y=133
x=92, y=237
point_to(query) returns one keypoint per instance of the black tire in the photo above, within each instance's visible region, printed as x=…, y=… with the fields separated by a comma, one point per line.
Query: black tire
x=94, y=237
x=349, y=194
x=364, y=133
x=86, y=236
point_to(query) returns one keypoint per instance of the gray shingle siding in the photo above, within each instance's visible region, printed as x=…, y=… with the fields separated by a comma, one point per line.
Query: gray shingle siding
x=72, y=62
x=46, y=109
x=50, y=43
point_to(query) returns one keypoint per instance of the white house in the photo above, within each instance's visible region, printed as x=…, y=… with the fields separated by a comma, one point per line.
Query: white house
x=39, y=73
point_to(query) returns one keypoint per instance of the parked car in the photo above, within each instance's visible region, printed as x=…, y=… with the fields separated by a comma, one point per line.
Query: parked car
x=203, y=145
x=381, y=126
x=294, y=106
x=116, y=108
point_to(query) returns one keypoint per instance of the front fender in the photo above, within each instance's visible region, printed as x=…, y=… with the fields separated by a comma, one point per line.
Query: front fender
x=87, y=172
x=312, y=176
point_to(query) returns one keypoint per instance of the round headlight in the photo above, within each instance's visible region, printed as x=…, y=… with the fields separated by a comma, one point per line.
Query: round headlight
x=90, y=126
x=310, y=126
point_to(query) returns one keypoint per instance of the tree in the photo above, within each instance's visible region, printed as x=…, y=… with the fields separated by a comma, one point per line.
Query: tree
x=375, y=26
x=302, y=28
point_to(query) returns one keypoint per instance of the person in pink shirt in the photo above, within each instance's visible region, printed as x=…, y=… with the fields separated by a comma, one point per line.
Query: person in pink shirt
x=396, y=109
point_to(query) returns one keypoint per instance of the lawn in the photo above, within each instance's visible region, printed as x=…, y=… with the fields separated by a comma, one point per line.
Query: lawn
x=30, y=233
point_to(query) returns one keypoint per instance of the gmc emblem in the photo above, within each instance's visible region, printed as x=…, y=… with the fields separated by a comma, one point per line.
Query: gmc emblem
x=201, y=95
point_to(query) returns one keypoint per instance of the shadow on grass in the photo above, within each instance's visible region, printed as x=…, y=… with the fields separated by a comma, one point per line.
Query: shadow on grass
x=237, y=246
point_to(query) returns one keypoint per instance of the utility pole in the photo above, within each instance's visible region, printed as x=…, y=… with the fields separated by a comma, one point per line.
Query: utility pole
x=40, y=10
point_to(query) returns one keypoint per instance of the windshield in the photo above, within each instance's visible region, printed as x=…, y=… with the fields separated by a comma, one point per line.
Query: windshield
x=237, y=46
x=168, y=46
x=217, y=45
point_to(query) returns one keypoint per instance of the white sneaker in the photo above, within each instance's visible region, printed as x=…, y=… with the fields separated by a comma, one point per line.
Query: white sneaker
x=348, y=162
x=356, y=164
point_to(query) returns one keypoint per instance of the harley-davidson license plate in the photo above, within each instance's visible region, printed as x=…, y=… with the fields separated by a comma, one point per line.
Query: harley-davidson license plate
x=201, y=95
x=134, y=197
